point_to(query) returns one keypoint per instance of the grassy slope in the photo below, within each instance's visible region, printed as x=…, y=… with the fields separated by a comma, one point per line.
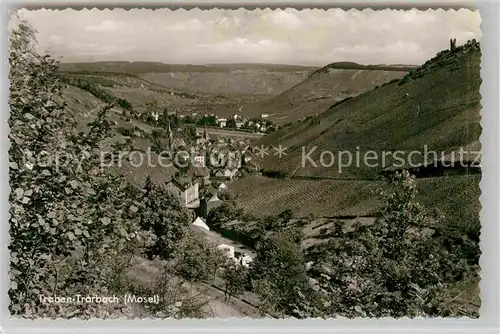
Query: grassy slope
x=84, y=106
x=186, y=92
x=382, y=119
x=385, y=119
x=316, y=93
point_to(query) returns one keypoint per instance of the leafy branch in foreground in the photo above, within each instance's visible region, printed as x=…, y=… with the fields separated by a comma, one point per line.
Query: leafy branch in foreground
x=75, y=228
x=69, y=219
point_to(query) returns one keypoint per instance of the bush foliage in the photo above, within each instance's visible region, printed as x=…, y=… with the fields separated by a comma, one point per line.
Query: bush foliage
x=405, y=264
x=75, y=228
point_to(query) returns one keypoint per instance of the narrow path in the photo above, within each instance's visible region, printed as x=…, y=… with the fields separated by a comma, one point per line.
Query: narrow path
x=87, y=114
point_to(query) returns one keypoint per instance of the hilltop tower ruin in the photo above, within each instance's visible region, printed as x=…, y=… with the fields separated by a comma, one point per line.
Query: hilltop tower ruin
x=453, y=44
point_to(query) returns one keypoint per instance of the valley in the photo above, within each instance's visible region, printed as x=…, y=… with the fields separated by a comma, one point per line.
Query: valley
x=232, y=163
x=340, y=107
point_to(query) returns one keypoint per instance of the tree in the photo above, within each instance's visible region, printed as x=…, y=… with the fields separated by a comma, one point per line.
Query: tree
x=189, y=132
x=399, y=266
x=207, y=120
x=197, y=260
x=231, y=123
x=74, y=225
x=161, y=214
x=235, y=278
x=279, y=276
x=189, y=120
x=225, y=212
x=174, y=121
x=167, y=119
x=69, y=218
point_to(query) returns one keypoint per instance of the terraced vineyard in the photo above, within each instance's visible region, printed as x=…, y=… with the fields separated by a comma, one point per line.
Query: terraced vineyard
x=259, y=195
x=456, y=197
x=437, y=105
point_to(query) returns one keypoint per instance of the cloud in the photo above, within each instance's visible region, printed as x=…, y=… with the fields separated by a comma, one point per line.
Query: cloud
x=227, y=22
x=189, y=25
x=243, y=45
x=286, y=19
x=56, y=39
x=243, y=50
x=312, y=37
x=105, y=25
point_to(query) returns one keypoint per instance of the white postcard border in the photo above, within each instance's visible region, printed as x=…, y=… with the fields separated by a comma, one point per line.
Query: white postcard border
x=490, y=199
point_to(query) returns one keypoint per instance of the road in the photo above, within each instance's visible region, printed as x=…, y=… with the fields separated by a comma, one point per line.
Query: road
x=230, y=133
x=245, y=305
x=210, y=131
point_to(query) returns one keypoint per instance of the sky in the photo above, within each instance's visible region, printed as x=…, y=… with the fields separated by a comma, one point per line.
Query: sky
x=305, y=37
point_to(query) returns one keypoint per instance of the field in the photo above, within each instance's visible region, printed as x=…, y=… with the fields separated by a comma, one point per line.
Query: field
x=262, y=196
x=456, y=197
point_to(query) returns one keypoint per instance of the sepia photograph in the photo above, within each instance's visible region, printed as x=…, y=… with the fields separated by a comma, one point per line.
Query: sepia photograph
x=237, y=163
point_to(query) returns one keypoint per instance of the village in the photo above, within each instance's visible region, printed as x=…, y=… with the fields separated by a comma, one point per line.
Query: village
x=236, y=121
x=203, y=175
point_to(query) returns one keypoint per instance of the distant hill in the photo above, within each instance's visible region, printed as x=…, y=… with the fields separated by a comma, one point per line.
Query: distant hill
x=139, y=92
x=84, y=106
x=436, y=105
x=319, y=90
x=256, y=79
x=138, y=67
x=346, y=65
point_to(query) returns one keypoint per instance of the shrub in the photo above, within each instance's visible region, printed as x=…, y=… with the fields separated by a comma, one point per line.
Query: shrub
x=397, y=266
x=124, y=103
x=74, y=227
x=278, y=275
x=127, y=132
x=68, y=222
x=274, y=173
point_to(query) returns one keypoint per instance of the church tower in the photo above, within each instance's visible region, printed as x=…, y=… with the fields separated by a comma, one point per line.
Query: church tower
x=205, y=134
x=170, y=136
